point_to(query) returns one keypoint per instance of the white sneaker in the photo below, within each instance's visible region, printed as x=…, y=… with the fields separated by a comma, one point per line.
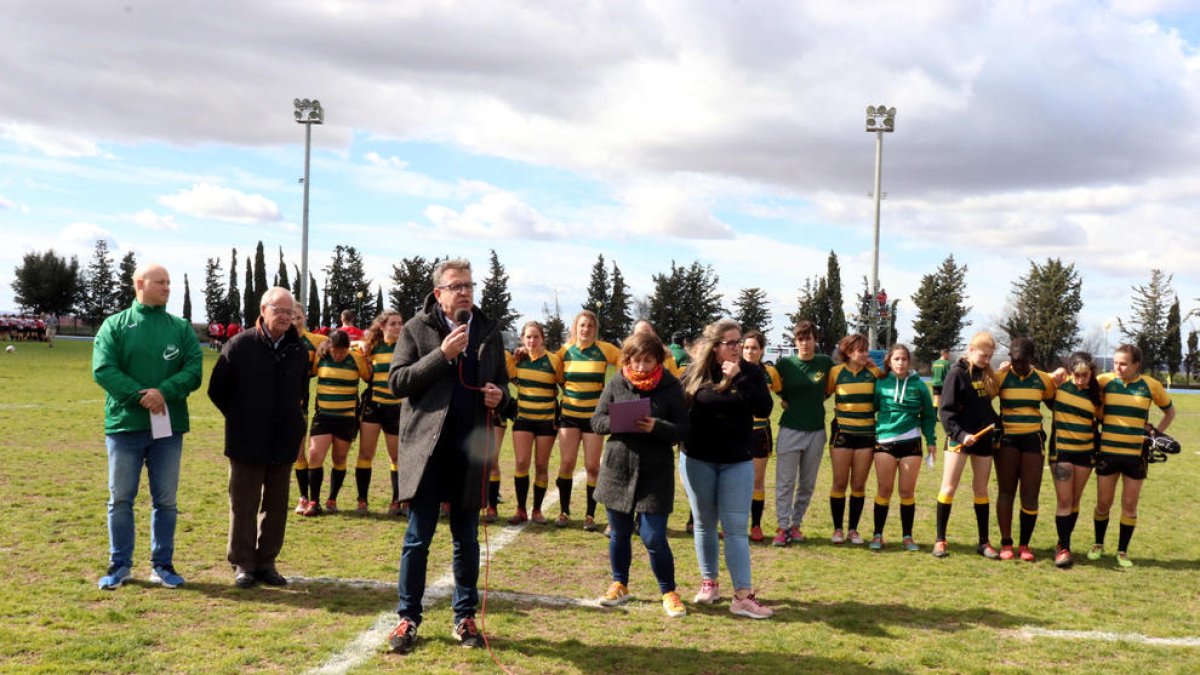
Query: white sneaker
x=709, y=592
x=749, y=606
x=856, y=538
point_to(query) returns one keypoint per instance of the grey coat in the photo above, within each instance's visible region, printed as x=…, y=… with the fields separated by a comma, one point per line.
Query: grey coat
x=637, y=473
x=425, y=378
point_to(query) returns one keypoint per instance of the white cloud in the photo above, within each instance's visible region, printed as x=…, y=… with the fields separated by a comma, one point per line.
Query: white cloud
x=153, y=221
x=50, y=142
x=83, y=233
x=205, y=200
x=498, y=215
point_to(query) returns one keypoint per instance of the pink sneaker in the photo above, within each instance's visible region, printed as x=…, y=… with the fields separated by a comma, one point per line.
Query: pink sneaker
x=749, y=606
x=709, y=592
x=795, y=535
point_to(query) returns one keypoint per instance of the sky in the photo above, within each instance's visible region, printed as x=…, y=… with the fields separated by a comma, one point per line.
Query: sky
x=725, y=131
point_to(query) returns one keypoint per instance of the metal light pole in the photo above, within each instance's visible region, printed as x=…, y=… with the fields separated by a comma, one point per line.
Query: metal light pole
x=307, y=113
x=880, y=119
x=1107, y=327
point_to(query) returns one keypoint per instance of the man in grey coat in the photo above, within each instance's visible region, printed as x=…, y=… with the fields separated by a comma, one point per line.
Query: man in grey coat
x=449, y=365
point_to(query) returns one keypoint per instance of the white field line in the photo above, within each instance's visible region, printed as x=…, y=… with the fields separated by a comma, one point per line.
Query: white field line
x=368, y=643
x=58, y=404
x=1103, y=636
x=443, y=591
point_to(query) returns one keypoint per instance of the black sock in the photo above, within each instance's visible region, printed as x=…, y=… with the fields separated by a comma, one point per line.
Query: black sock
x=837, y=508
x=521, y=485
x=756, y=511
x=1027, y=523
x=395, y=476
x=362, y=480
x=856, y=508
x=982, y=511
x=1063, y=525
x=1126, y=533
x=591, y=500
x=336, y=478
x=908, y=513
x=302, y=482
x=539, y=495
x=1101, y=526
x=564, y=486
x=494, y=492
x=315, y=478
x=943, y=517
x=1074, y=519
x=881, y=514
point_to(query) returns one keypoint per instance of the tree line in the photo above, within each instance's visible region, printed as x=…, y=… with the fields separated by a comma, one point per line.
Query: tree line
x=1044, y=303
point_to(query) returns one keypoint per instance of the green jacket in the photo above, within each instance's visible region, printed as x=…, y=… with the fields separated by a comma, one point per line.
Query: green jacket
x=145, y=348
x=904, y=405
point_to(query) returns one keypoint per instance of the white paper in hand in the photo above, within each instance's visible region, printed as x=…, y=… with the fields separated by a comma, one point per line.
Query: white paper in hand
x=160, y=424
x=929, y=460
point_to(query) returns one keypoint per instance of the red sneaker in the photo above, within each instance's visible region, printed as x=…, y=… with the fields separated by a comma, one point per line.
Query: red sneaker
x=1006, y=552
x=756, y=533
x=1025, y=554
x=518, y=517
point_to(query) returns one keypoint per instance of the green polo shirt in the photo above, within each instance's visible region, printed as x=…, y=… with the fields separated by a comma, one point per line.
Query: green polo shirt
x=803, y=389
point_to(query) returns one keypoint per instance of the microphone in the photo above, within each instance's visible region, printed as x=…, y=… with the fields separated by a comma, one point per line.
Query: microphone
x=462, y=316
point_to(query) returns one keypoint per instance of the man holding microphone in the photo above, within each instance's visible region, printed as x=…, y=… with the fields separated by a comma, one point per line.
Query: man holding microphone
x=449, y=364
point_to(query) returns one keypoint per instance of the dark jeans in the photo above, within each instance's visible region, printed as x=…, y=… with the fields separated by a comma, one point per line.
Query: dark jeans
x=654, y=537
x=258, y=513
x=423, y=511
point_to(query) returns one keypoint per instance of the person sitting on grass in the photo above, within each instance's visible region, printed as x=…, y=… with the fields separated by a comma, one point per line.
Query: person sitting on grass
x=637, y=474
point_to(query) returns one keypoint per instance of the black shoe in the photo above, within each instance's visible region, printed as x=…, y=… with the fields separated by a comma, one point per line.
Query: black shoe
x=403, y=637
x=244, y=580
x=466, y=632
x=271, y=577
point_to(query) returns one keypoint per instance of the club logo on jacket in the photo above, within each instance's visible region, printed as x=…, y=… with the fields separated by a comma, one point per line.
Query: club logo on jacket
x=817, y=377
x=170, y=353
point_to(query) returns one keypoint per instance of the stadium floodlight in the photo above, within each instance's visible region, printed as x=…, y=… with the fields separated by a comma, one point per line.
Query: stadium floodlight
x=307, y=113
x=880, y=119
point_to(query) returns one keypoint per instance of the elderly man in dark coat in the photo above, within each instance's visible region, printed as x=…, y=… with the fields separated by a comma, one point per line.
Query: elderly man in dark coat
x=449, y=364
x=258, y=384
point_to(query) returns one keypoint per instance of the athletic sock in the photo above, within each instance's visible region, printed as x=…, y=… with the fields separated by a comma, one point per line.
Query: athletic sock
x=837, y=507
x=1100, y=523
x=336, y=478
x=395, y=476
x=944, y=503
x=316, y=476
x=301, y=467
x=1028, y=520
x=983, y=511
x=908, y=512
x=539, y=494
x=362, y=480
x=756, y=508
x=493, y=491
x=1126, y=533
x=564, y=486
x=881, y=514
x=521, y=485
x=591, y=499
x=1063, y=525
x=857, y=501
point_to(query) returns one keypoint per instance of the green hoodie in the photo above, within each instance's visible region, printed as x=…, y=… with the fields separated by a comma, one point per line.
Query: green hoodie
x=904, y=405
x=139, y=348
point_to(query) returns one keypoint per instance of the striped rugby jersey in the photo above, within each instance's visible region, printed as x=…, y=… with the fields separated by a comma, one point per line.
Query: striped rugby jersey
x=380, y=361
x=775, y=385
x=1020, y=400
x=1074, y=419
x=1126, y=410
x=537, y=382
x=854, y=397
x=583, y=376
x=337, y=383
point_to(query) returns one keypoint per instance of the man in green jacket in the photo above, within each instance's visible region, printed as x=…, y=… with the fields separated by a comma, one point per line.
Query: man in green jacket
x=147, y=362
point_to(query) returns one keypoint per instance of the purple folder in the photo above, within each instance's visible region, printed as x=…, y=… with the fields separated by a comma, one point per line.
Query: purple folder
x=623, y=414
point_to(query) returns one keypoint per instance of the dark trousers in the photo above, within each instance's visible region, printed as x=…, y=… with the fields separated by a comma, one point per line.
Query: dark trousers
x=258, y=512
x=653, y=532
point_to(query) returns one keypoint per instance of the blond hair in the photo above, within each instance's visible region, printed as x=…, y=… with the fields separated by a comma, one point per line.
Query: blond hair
x=699, y=371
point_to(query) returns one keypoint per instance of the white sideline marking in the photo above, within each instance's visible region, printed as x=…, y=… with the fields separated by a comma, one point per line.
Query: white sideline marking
x=367, y=644
x=443, y=591
x=1030, y=631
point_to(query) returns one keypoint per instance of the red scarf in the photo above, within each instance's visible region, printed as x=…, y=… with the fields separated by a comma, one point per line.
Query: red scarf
x=643, y=381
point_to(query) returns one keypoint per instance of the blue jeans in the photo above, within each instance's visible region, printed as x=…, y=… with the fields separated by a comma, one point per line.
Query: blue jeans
x=128, y=451
x=423, y=512
x=654, y=537
x=720, y=492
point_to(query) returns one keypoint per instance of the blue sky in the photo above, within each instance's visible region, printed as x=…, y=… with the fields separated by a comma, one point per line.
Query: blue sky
x=553, y=132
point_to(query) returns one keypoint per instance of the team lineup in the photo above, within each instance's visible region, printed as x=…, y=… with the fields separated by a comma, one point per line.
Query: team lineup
x=442, y=391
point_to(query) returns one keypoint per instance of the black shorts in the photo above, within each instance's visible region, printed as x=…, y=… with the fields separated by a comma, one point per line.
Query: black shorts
x=1131, y=466
x=1086, y=458
x=982, y=448
x=761, y=446
x=582, y=423
x=387, y=416
x=342, y=428
x=1025, y=442
x=853, y=441
x=937, y=390
x=900, y=449
x=535, y=427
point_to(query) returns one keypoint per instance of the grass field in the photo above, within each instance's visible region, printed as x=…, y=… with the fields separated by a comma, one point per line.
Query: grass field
x=839, y=608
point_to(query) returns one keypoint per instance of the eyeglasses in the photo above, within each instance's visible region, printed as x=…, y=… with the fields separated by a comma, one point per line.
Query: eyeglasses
x=730, y=343
x=460, y=289
x=280, y=309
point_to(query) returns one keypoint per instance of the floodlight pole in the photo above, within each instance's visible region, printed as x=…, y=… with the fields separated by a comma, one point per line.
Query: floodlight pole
x=307, y=113
x=879, y=120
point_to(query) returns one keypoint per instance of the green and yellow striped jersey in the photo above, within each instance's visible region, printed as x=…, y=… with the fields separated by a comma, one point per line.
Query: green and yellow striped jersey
x=854, y=397
x=537, y=382
x=1126, y=410
x=337, y=383
x=1074, y=419
x=1021, y=398
x=583, y=376
x=774, y=384
x=380, y=361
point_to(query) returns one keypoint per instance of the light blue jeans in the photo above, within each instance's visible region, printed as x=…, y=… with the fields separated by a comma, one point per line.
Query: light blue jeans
x=128, y=452
x=720, y=492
